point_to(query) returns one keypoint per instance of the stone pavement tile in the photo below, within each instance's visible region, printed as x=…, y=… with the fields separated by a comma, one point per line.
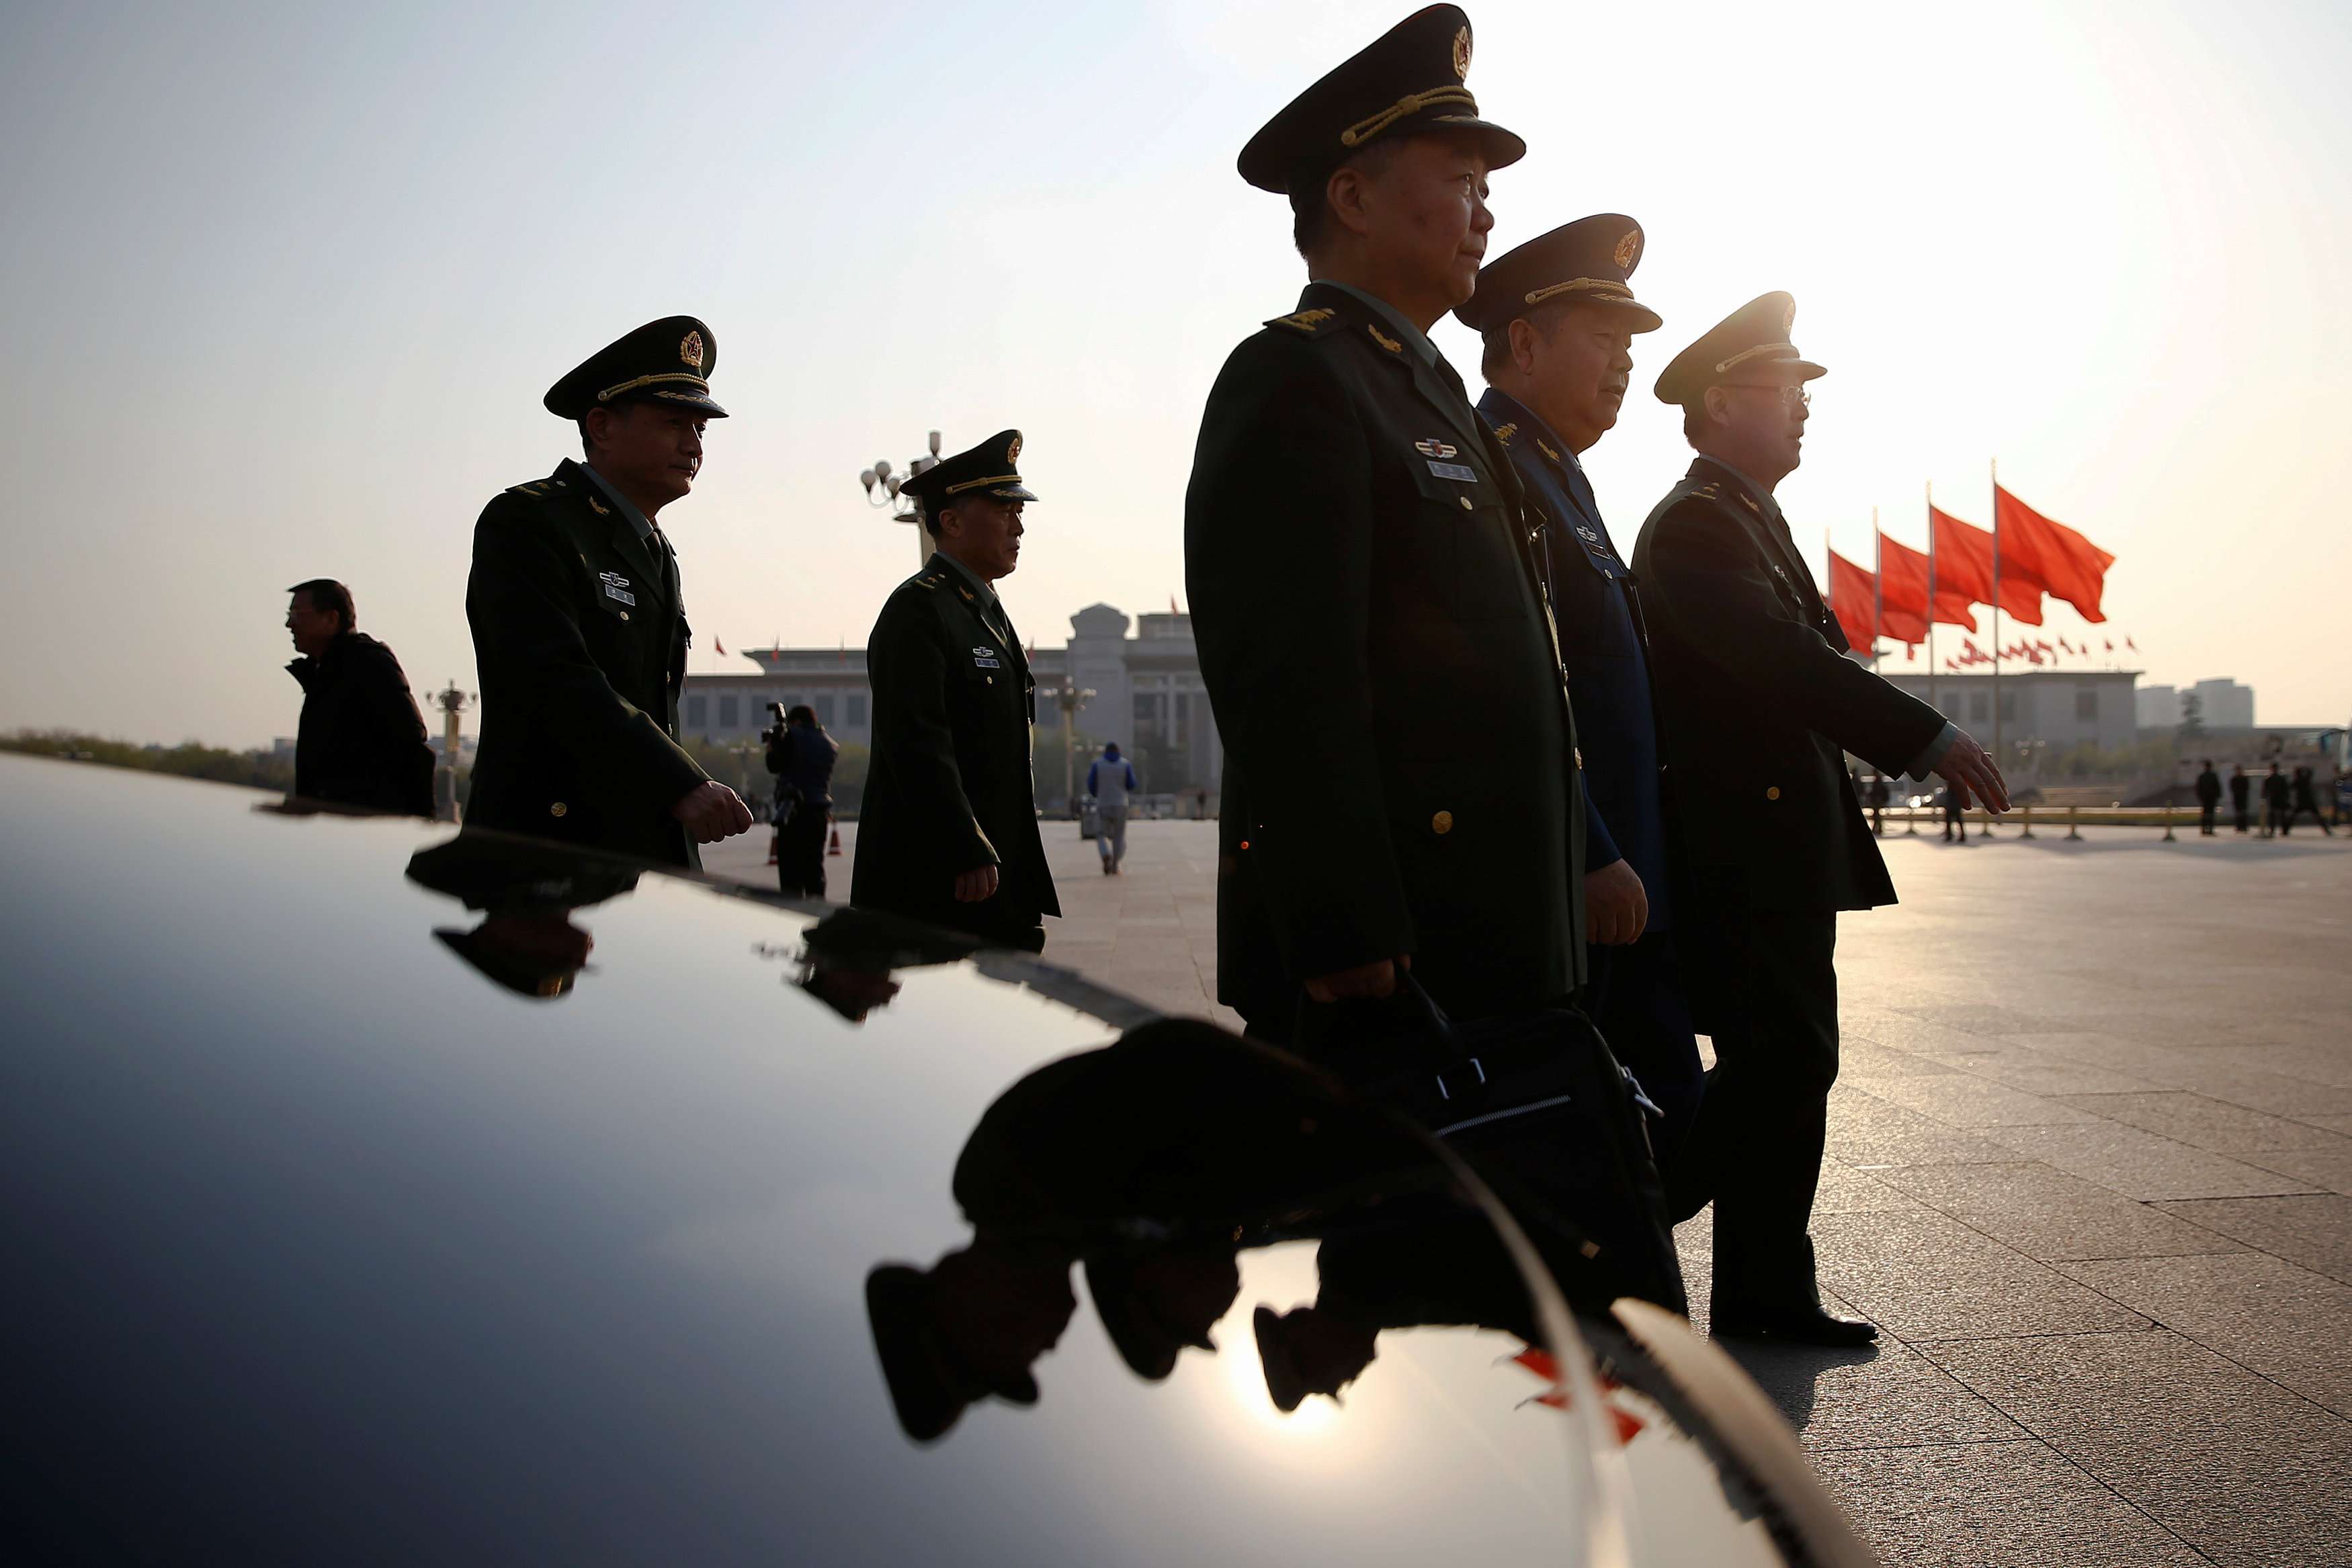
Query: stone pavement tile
x=1865, y=1131
x=2333, y=1124
x=1978, y=1018
x=2330, y=1169
x=2143, y=1165
x=2049, y=1215
x=2185, y=1067
x=2330, y=1064
x=2292, y=1326
x=2037, y=1071
x=1924, y=1276
x=1862, y=1057
x=1961, y=1099
x=2314, y=1230
x=2204, y=1123
x=1885, y=1396
x=2240, y=1467
x=1992, y=1505
x=1904, y=1032
x=1845, y=1190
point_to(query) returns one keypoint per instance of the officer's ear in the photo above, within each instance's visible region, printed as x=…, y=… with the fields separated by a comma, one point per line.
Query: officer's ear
x=1524, y=338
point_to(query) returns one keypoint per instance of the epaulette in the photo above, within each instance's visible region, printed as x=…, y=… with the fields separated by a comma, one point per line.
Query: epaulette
x=1309, y=322
x=534, y=487
x=1707, y=491
x=1503, y=432
x=931, y=580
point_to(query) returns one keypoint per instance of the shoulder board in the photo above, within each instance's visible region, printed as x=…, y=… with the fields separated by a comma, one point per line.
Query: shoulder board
x=534, y=487
x=1503, y=432
x=1307, y=321
x=931, y=580
x=1708, y=491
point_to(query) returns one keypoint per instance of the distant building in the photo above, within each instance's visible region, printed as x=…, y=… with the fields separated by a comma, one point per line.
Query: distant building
x=2061, y=709
x=2158, y=708
x=2221, y=704
x=1148, y=697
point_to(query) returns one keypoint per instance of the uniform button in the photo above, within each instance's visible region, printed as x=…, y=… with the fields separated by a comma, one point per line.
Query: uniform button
x=624, y=615
x=1465, y=502
x=990, y=679
x=1773, y=792
x=1442, y=823
x=557, y=809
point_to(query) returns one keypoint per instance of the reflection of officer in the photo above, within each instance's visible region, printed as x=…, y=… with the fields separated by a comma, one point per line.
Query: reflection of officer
x=1357, y=562
x=947, y=833
x=850, y=959
x=580, y=633
x=1757, y=692
x=1559, y=320
x=526, y=891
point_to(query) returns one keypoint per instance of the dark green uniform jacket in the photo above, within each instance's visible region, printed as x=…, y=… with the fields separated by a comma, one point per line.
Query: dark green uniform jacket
x=1758, y=700
x=949, y=787
x=580, y=645
x=1401, y=773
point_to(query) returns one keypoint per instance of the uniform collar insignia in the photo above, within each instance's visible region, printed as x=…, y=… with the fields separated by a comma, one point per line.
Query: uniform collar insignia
x=1383, y=339
x=598, y=506
x=1750, y=502
x=1545, y=447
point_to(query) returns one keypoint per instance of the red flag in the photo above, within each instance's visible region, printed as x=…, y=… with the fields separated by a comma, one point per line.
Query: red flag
x=717, y=644
x=1964, y=567
x=1903, y=585
x=2111, y=644
x=1851, y=594
x=2067, y=565
x=2132, y=646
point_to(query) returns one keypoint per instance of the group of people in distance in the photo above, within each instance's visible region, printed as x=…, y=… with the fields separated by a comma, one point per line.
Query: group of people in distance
x=2285, y=799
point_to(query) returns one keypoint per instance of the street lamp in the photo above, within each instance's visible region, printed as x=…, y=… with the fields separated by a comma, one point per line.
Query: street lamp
x=1069, y=699
x=452, y=702
x=885, y=479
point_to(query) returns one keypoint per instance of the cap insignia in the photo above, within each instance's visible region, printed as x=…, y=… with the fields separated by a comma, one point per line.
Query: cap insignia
x=1391, y=344
x=1013, y=453
x=690, y=352
x=1461, y=54
x=1627, y=246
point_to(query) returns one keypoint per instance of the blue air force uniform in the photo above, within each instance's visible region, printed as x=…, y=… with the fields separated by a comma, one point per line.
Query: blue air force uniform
x=1632, y=991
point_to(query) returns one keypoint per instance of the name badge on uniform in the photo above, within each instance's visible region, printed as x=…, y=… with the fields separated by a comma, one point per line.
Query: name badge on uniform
x=986, y=659
x=616, y=587
x=1433, y=448
x=1465, y=473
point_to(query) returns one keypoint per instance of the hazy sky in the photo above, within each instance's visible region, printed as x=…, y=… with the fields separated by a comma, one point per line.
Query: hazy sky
x=281, y=287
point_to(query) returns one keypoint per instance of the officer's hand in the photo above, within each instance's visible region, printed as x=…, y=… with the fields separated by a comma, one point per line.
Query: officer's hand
x=1970, y=770
x=712, y=811
x=976, y=884
x=1616, y=905
x=1363, y=980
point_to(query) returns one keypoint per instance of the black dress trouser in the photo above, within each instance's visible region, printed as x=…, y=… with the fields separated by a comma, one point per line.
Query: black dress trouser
x=800, y=854
x=1765, y=989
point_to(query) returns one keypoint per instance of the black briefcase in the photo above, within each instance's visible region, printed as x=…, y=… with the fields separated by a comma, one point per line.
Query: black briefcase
x=1542, y=1109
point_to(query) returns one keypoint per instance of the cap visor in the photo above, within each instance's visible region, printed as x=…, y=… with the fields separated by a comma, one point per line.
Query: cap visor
x=1503, y=147
x=690, y=400
x=1013, y=492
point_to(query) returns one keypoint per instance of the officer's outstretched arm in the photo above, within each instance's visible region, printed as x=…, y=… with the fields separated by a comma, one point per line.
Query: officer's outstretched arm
x=1278, y=540
x=523, y=622
x=1722, y=600
x=908, y=672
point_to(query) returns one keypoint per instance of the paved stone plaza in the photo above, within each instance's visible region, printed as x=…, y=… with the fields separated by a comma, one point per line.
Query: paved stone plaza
x=2090, y=1171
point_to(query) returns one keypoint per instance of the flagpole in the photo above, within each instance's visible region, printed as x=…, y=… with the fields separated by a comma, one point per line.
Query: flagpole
x=1996, y=612
x=1877, y=587
x=1931, y=596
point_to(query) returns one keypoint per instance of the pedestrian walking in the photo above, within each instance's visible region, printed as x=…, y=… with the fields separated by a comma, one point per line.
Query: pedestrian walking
x=1357, y=553
x=1558, y=318
x=2276, y=796
x=2305, y=797
x=801, y=754
x=580, y=630
x=1758, y=696
x=2241, y=789
x=1956, y=821
x=1109, y=780
x=2209, y=799
x=947, y=830
x=360, y=740
x=1879, y=795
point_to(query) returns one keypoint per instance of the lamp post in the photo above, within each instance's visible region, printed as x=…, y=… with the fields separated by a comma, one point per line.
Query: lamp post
x=885, y=479
x=1069, y=698
x=452, y=702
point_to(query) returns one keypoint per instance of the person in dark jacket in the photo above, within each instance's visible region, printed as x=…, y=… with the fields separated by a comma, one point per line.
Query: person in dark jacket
x=948, y=831
x=1879, y=795
x=580, y=630
x=802, y=757
x=2276, y=794
x=1357, y=548
x=1557, y=371
x=362, y=740
x=1760, y=705
x=2209, y=799
x=2305, y=797
x=2240, y=788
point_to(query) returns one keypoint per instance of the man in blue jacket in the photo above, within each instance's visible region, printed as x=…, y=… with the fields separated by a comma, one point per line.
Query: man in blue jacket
x=1559, y=321
x=1110, y=779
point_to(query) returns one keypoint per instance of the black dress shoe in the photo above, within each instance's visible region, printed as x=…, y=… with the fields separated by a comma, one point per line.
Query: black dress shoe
x=1791, y=1325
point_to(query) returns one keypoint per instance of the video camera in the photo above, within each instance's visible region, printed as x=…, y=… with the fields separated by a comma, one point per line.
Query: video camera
x=775, y=733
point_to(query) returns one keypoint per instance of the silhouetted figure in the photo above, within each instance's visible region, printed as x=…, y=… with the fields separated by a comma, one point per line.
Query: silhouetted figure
x=362, y=740
x=1956, y=821
x=2305, y=797
x=526, y=891
x=1879, y=795
x=2209, y=798
x=802, y=757
x=2241, y=790
x=2276, y=794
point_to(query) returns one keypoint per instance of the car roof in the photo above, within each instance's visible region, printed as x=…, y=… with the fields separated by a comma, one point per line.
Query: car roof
x=341, y=1233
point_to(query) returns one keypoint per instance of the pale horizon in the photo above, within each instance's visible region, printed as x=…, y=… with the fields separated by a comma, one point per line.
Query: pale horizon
x=283, y=289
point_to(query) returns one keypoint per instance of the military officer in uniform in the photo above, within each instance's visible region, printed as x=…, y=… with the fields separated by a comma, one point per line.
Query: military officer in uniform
x=1360, y=567
x=947, y=833
x=580, y=634
x=1759, y=701
x=1558, y=317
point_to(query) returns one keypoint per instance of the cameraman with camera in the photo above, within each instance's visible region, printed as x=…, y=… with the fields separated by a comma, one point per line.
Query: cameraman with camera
x=801, y=754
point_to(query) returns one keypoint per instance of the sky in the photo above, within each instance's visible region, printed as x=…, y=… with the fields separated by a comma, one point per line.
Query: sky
x=282, y=286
